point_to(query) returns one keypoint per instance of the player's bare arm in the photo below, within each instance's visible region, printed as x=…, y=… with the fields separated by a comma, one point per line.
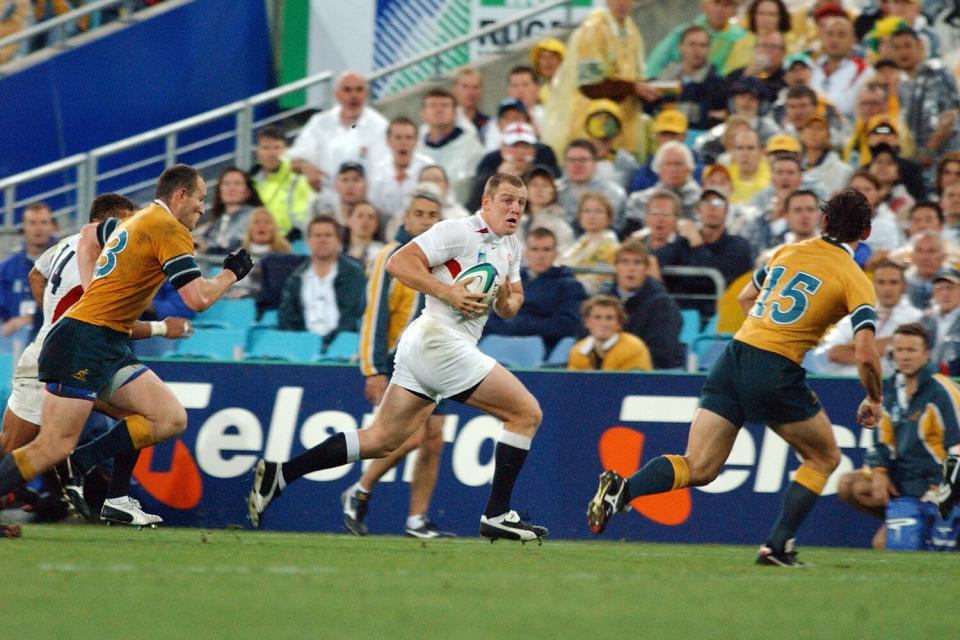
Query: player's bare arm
x=200, y=293
x=509, y=299
x=868, y=368
x=409, y=265
x=88, y=250
x=747, y=297
x=173, y=327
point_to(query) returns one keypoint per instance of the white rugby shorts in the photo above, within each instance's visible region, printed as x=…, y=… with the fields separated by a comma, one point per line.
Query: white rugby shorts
x=438, y=361
x=26, y=398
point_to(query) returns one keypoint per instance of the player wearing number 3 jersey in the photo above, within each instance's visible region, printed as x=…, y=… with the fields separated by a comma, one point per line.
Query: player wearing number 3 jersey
x=790, y=303
x=86, y=355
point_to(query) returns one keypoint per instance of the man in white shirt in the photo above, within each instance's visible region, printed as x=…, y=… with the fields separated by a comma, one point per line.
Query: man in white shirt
x=835, y=355
x=445, y=143
x=438, y=358
x=521, y=86
x=838, y=73
x=349, y=132
x=395, y=175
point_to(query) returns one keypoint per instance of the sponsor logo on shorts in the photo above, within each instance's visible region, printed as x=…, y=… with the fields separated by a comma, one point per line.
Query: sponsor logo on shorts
x=81, y=375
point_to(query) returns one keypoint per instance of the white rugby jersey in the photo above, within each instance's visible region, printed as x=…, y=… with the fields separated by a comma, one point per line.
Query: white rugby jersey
x=453, y=246
x=58, y=264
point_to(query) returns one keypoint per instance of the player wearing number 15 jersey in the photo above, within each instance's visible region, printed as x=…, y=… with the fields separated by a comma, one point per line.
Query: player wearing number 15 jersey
x=790, y=303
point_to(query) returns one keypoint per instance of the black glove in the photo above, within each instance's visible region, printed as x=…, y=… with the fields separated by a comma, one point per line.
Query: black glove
x=239, y=262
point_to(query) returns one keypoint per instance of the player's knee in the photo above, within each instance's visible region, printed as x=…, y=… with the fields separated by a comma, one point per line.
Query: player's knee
x=529, y=421
x=829, y=460
x=170, y=424
x=701, y=473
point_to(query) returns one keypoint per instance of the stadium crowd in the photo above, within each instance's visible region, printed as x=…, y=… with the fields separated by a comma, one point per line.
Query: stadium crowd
x=709, y=151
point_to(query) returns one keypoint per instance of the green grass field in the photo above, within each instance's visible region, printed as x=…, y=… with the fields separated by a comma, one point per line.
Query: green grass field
x=99, y=582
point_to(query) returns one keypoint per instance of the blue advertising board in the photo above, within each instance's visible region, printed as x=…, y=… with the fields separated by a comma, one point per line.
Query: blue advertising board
x=239, y=412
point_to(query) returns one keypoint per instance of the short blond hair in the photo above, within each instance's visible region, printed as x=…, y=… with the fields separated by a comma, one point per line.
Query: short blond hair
x=611, y=302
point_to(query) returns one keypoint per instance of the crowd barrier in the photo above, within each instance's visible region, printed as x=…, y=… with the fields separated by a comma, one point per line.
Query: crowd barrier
x=239, y=412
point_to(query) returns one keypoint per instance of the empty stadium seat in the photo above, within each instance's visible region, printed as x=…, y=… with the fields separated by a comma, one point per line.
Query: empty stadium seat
x=292, y=346
x=708, y=349
x=690, y=328
x=525, y=352
x=561, y=353
x=343, y=347
x=219, y=344
x=228, y=314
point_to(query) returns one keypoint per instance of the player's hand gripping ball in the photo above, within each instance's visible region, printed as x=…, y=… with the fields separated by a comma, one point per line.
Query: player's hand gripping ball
x=480, y=278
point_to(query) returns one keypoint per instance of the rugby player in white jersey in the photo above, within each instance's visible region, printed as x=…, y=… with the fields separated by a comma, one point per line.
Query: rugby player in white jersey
x=438, y=358
x=55, y=279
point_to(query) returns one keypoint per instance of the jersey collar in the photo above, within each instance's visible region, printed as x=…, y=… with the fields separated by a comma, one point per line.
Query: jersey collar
x=485, y=228
x=843, y=245
x=164, y=205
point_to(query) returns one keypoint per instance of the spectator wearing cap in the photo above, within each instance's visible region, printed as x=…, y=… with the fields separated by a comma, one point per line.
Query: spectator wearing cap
x=821, y=164
x=518, y=152
x=724, y=34
x=551, y=295
x=747, y=98
x=616, y=157
x=927, y=249
x=838, y=73
x=884, y=129
x=767, y=210
x=350, y=189
x=545, y=57
x=605, y=58
x=929, y=100
x=884, y=167
x=509, y=111
x=748, y=168
x=446, y=144
x=912, y=13
x=579, y=177
x=703, y=91
x=705, y=244
x=766, y=65
x=799, y=104
x=674, y=166
x=670, y=125
x=943, y=319
x=542, y=209
x=394, y=175
x=875, y=103
x=521, y=86
x=349, y=132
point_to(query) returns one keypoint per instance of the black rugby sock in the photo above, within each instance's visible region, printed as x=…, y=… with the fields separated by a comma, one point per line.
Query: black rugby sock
x=332, y=452
x=123, y=464
x=509, y=461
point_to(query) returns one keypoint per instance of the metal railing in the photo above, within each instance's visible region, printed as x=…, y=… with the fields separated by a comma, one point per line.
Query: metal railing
x=84, y=175
x=674, y=271
x=56, y=27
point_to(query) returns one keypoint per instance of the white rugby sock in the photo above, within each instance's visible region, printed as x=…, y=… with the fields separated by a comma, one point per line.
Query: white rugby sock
x=353, y=445
x=515, y=440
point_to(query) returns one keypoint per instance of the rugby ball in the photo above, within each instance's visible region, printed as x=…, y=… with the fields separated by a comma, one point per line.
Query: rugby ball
x=480, y=278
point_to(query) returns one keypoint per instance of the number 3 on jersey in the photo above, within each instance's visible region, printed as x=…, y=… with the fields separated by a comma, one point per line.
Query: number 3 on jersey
x=798, y=290
x=107, y=261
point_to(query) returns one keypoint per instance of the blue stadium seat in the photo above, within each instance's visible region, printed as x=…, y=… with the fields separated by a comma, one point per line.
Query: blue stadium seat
x=708, y=349
x=6, y=376
x=269, y=319
x=525, y=352
x=690, y=328
x=228, y=314
x=293, y=346
x=219, y=344
x=343, y=347
x=299, y=248
x=561, y=353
